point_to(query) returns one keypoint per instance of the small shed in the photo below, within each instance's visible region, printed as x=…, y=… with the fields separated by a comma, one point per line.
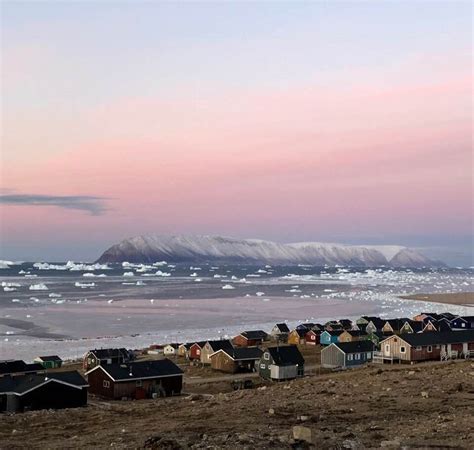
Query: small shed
x=347, y=354
x=281, y=363
x=49, y=362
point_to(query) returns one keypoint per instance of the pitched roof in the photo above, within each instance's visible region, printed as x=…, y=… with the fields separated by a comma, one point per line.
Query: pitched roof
x=444, y=337
x=254, y=334
x=356, y=333
x=242, y=353
x=334, y=332
x=50, y=358
x=22, y=384
x=140, y=370
x=18, y=366
x=397, y=323
x=106, y=353
x=355, y=346
x=286, y=355
x=282, y=327
x=377, y=322
x=222, y=344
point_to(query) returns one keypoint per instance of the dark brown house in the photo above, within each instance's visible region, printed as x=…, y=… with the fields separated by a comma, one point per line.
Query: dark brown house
x=18, y=367
x=136, y=380
x=233, y=360
x=34, y=391
x=250, y=338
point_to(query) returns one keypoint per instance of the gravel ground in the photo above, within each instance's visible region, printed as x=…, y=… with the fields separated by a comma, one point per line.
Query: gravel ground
x=424, y=406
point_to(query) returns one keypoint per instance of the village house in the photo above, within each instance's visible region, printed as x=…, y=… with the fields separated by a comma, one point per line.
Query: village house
x=211, y=347
x=352, y=335
x=427, y=346
x=34, y=391
x=49, y=362
x=280, y=331
x=136, y=380
x=347, y=354
x=236, y=359
x=14, y=367
x=104, y=356
x=411, y=326
x=376, y=338
x=374, y=324
x=250, y=338
x=281, y=363
x=195, y=350
x=171, y=349
x=333, y=325
x=346, y=324
x=393, y=326
x=462, y=323
x=183, y=349
x=312, y=337
x=330, y=337
x=297, y=336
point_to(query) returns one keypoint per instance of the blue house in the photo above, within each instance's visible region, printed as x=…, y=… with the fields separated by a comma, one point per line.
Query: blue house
x=330, y=337
x=462, y=323
x=347, y=354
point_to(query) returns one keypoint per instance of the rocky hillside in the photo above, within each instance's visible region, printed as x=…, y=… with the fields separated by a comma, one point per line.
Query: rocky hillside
x=195, y=249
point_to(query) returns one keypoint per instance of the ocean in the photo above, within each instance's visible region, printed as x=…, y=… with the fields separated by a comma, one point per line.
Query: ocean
x=66, y=309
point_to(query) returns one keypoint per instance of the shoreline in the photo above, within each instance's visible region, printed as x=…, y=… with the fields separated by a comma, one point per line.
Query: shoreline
x=458, y=298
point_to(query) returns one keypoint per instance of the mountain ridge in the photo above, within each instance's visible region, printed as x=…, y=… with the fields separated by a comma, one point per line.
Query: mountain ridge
x=205, y=248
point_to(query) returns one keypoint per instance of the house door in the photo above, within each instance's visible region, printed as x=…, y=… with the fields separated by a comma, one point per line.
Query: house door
x=386, y=350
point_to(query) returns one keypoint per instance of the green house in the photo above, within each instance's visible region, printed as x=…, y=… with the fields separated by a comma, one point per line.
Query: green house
x=49, y=362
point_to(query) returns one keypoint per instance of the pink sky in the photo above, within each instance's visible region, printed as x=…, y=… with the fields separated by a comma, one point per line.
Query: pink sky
x=381, y=152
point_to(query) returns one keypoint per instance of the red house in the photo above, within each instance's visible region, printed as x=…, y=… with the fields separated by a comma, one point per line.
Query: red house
x=250, y=338
x=195, y=350
x=311, y=338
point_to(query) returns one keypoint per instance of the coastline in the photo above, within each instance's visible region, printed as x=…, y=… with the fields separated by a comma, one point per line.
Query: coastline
x=458, y=298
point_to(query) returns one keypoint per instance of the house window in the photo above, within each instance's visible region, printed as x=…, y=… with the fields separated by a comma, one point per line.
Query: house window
x=369, y=355
x=430, y=349
x=106, y=383
x=418, y=348
x=139, y=383
x=387, y=348
x=349, y=357
x=198, y=352
x=313, y=337
x=463, y=324
x=262, y=366
x=402, y=349
x=357, y=356
x=266, y=356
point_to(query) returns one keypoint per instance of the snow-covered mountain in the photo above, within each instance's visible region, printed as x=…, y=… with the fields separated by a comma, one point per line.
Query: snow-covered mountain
x=221, y=249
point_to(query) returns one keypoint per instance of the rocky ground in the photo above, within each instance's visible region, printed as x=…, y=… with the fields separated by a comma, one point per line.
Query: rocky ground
x=424, y=406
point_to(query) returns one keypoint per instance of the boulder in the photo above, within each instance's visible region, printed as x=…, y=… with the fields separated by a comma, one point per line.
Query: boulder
x=304, y=434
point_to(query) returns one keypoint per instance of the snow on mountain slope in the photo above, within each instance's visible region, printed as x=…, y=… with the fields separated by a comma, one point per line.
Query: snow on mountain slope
x=198, y=248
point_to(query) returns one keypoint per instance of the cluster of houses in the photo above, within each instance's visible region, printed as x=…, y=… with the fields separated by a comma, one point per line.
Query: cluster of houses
x=116, y=374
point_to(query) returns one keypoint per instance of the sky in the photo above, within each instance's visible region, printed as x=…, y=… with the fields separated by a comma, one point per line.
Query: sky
x=289, y=121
